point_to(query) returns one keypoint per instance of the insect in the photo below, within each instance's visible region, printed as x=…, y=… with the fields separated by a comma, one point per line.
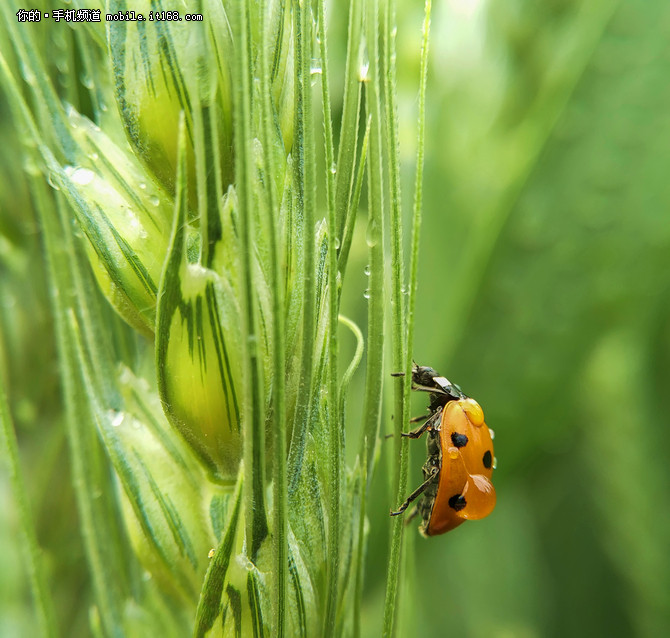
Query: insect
x=457, y=473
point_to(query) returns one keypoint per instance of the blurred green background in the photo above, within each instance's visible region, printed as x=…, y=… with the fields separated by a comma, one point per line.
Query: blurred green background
x=544, y=291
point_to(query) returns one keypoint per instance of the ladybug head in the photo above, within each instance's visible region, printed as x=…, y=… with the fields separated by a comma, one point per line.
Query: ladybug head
x=441, y=389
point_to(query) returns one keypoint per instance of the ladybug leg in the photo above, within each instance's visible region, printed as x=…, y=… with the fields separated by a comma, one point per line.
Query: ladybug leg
x=417, y=492
x=417, y=387
x=430, y=421
x=417, y=432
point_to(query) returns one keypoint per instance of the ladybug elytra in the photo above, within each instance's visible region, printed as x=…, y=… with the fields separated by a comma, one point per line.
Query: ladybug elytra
x=457, y=473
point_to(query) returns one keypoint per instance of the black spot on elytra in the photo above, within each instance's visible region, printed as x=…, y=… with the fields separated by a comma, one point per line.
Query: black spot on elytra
x=457, y=502
x=459, y=440
x=488, y=459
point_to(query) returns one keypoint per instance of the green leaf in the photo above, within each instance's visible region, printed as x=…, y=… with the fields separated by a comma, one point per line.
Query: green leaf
x=209, y=606
x=166, y=518
x=153, y=64
x=198, y=343
x=124, y=216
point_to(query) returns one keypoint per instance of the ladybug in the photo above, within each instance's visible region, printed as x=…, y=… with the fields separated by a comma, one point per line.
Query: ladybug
x=457, y=473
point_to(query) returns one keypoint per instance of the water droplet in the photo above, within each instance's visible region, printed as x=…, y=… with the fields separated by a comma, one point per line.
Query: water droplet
x=366, y=294
x=116, y=418
x=28, y=75
x=337, y=243
x=80, y=176
x=492, y=433
x=453, y=453
x=52, y=180
x=142, y=186
x=315, y=25
x=211, y=553
x=372, y=234
x=87, y=81
x=154, y=201
x=135, y=224
x=495, y=463
x=363, y=71
x=315, y=70
x=367, y=270
x=333, y=168
x=94, y=156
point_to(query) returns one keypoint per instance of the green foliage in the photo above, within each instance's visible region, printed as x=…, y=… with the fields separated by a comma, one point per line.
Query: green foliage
x=543, y=292
x=214, y=415
x=188, y=445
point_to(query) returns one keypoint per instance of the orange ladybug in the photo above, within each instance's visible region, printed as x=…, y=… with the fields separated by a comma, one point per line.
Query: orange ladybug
x=457, y=473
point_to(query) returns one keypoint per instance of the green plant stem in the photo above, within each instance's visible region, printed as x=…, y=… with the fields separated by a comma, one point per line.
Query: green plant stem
x=335, y=424
x=33, y=553
x=418, y=188
x=54, y=123
x=412, y=289
x=85, y=453
x=348, y=146
x=398, y=331
x=348, y=232
x=254, y=426
x=362, y=469
x=355, y=361
x=398, y=341
x=360, y=549
x=277, y=284
x=402, y=406
x=375, y=240
x=64, y=264
x=305, y=159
